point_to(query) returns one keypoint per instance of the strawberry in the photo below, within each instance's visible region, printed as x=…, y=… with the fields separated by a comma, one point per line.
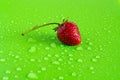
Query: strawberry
x=67, y=32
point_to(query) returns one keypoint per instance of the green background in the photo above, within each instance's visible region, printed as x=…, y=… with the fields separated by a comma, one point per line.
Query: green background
x=40, y=56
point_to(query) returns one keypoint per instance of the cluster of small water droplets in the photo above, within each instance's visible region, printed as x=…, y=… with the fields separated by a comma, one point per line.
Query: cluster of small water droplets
x=32, y=75
x=32, y=49
x=79, y=48
x=53, y=45
x=74, y=74
x=92, y=69
x=61, y=77
x=18, y=68
x=95, y=58
x=80, y=60
x=43, y=68
x=1, y=51
x=56, y=62
x=7, y=71
x=5, y=78
x=2, y=60
x=32, y=59
x=47, y=48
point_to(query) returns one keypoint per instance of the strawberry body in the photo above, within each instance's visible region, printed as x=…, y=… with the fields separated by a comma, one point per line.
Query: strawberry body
x=68, y=33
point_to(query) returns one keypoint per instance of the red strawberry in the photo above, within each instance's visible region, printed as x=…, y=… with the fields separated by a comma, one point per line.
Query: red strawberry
x=67, y=32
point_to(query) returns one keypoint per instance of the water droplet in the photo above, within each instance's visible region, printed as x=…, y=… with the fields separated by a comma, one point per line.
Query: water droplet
x=49, y=55
x=47, y=48
x=18, y=69
x=61, y=77
x=56, y=55
x=32, y=49
x=45, y=58
x=39, y=71
x=94, y=60
x=16, y=56
x=66, y=50
x=93, y=72
x=97, y=56
x=80, y=60
x=16, y=76
x=32, y=75
x=73, y=74
x=12, y=21
x=79, y=48
x=56, y=62
x=2, y=60
x=91, y=68
x=8, y=72
x=90, y=43
x=53, y=79
x=1, y=51
x=53, y=45
x=31, y=40
x=5, y=78
x=89, y=48
x=59, y=68
x=61, y=45
x=32, y=60
x=71, y=59
x=62, y=52
x=70, y=55
x=43, y=68
x=60, y=59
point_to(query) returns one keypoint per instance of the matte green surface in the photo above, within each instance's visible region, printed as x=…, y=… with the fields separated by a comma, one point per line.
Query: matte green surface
x=40, y=56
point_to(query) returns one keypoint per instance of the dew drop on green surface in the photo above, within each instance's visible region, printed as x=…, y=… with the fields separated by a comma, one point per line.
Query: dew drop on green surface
x=45, y=58
x=56, y=62
x=59, y=68
x=73, y=74
x=65, y=50
x=79, y=60
x=61, y=77
x=94, y=59
x=70, y=55
x=2, y=60
x=16, y=56
x=32, y=75
x=18, y=69
x=56, y=55
x=91, y=68
x=7, y=71
x=92, y=72
x=97, y=56
x=12, y=21
x=49, y=55
x=89, y=48
x=53, y=45
x=47, y=48
x=16, y=76
x=39, y=71
x=43, y=68
x=79, y=48
x=1, y=51
x=31, y=40
x=54, y=79
x=60, y=59
x=32, y=60
x=5, y=78
x=32, y=49
x=71, y=59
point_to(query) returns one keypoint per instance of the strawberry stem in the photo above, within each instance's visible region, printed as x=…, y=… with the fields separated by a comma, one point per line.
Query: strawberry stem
x=36, y=27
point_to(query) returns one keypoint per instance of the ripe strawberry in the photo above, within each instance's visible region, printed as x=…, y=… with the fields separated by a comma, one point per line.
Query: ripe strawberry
x=67, y=32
